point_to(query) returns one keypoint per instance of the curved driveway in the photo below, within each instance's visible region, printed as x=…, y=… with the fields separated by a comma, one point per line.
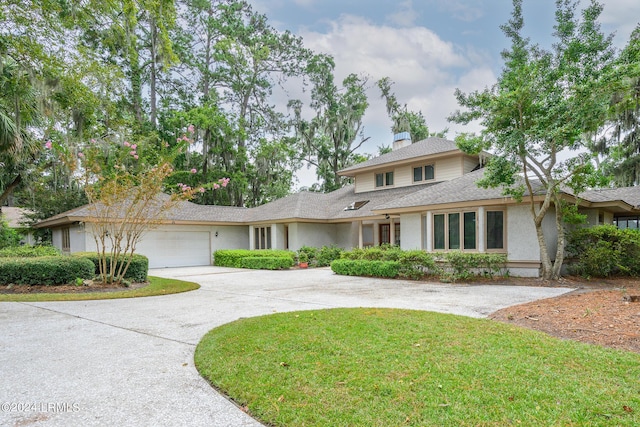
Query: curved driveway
x=129, y=362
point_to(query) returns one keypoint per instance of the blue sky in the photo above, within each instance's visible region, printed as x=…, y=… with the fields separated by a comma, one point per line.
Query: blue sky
x=427, y=47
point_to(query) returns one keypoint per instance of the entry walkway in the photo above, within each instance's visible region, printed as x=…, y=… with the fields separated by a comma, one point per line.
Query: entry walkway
x=129, y=362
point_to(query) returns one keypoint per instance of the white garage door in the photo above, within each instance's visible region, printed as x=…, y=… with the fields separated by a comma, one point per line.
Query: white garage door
x=176, y=248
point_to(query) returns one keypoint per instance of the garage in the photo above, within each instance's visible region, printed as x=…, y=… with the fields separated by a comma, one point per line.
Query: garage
x=176, y=248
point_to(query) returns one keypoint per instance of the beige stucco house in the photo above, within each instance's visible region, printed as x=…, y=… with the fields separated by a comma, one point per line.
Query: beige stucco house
x=419, y=196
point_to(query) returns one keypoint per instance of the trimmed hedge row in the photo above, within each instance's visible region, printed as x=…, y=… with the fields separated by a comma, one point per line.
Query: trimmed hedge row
x=414, y=264
x=266, y=263
x=28, y=251
x=50, y=270
x=358, y=267
x=464, y=265
x=233, y=257
x=137, y=271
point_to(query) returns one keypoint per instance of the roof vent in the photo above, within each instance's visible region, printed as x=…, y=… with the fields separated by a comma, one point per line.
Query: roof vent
x=401, y=139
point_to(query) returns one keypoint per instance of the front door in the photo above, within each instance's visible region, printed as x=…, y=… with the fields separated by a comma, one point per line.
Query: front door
x=385, y=234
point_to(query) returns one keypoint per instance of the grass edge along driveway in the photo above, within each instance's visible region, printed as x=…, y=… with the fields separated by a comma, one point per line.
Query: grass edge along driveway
x=156, y=286
x=389, y=367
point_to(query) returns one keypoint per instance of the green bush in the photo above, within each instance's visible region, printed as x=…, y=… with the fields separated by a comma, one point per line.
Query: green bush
x=347, y=267
x=414, y=264
x=267, y=263
x=464, y=265
x=8, y=236
x=233, y=257
x=50, y=270
x=320, y=257
x=28, y=251
x=310, y=254
x=604, y=251
x=137, y=271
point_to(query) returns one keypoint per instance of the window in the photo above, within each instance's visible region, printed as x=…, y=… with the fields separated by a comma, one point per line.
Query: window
x=626, y=222
x=262, y=238
x=454, y=231
x=384, y=179
x=417, y=174
x=469, y=230
x=397, y=234
x=438, y=231
x=429, y=172
x=449, y=232
x=495, y=230
x=354, y=206
x=66, y=240
x=425, y=173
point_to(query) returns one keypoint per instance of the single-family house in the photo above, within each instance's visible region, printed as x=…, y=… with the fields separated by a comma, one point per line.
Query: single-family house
x=418, y=196
x=15, y=218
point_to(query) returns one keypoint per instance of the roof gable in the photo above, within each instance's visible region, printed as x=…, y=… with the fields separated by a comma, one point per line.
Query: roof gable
x=427, y=147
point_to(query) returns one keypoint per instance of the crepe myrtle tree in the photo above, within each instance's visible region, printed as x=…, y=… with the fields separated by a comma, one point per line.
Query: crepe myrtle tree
x=544, y=103
x=125, y=187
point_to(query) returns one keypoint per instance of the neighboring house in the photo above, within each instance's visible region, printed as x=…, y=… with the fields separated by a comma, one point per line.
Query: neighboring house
x=15, y=217
x=419, y=196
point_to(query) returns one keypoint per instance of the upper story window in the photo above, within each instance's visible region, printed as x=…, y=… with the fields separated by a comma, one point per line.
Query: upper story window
x=423, y=173
x=384, y=179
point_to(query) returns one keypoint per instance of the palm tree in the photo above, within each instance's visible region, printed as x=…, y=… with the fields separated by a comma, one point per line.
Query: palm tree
x=18, y=112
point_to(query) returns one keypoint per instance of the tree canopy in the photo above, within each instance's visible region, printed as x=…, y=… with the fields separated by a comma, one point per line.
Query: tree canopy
x=545, y=103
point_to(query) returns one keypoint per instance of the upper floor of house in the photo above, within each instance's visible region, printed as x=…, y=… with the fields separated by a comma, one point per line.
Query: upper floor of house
x=431, y=160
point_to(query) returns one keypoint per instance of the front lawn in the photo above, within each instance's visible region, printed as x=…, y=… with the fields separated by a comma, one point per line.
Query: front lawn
x=385, y=367
x=156, y=286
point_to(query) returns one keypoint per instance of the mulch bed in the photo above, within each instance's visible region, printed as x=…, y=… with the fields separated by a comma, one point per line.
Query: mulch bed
x=88, y=286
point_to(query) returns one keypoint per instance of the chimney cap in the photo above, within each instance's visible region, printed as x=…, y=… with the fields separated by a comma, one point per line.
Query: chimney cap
x=400, y=136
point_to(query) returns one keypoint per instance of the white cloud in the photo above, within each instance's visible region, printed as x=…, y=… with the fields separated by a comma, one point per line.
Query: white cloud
x=405, y=16
x=426, y=70
x=622, y=15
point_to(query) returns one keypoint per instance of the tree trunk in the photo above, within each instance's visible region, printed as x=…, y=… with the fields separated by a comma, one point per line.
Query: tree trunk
x=9, y=189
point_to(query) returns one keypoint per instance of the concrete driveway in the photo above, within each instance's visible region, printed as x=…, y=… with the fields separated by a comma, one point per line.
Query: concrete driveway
x=129, y=362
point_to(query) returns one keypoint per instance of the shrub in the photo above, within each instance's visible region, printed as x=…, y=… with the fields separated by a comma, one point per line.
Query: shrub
x=604, y=251
x=8, y=236
x=267, y=263
x=137, y=271
x=233, y=257
x=464, y=265
x=28, y=251
x=415, y=264
x=309, y=252
x=368, y=268
x=326, y=254
x=50, y=270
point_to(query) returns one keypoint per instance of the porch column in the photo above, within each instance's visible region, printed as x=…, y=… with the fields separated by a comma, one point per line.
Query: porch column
x=481, y=229
x=360, y=234
x=392, y=232
x=428, y=232
x=251, y=242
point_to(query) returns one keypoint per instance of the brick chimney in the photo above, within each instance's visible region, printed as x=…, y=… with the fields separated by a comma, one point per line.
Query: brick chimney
x=400, y=140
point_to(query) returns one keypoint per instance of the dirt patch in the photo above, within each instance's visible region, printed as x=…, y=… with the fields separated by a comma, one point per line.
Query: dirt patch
x=601, y=312
x=86, y=287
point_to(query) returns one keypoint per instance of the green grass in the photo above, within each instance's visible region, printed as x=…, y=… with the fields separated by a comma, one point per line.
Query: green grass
x=384, y=367
x=157, y=286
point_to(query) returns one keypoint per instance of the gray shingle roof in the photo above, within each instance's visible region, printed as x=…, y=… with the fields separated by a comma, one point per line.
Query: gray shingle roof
x=426, y=147
x=458, y=190
x=629, y=195
x=183, y=211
